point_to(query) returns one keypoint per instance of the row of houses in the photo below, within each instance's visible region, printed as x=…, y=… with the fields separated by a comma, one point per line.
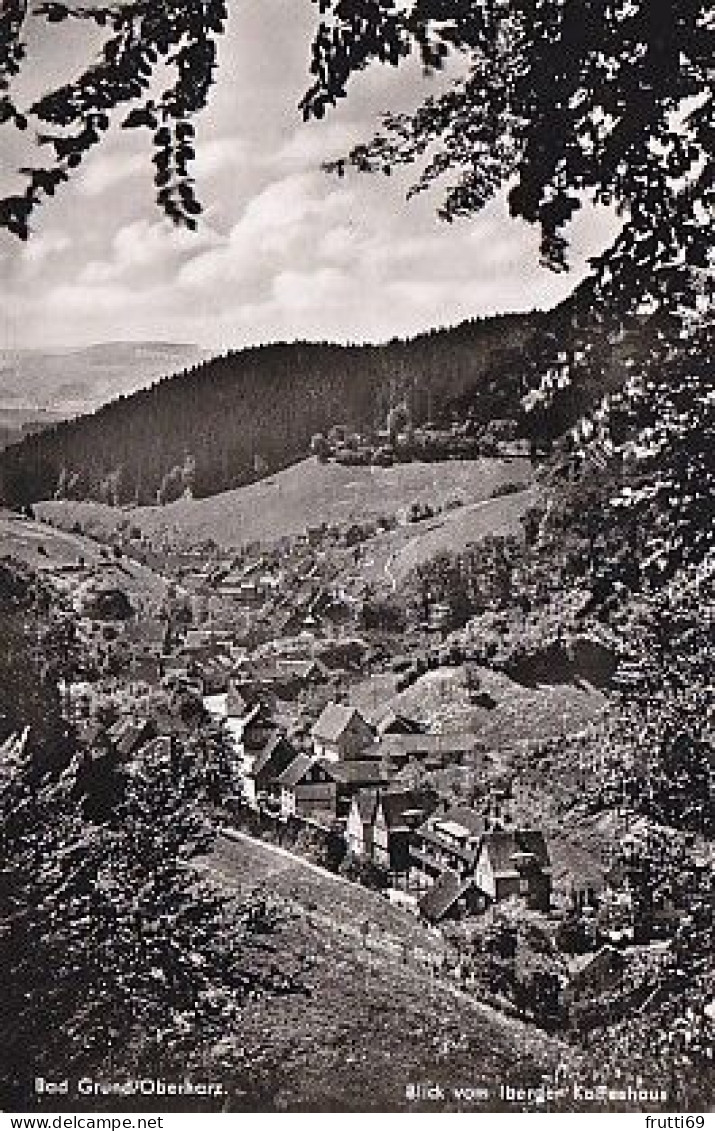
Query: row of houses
x=450, y=863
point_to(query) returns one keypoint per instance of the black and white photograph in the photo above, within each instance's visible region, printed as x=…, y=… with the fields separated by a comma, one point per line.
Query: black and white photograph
x=356, y=559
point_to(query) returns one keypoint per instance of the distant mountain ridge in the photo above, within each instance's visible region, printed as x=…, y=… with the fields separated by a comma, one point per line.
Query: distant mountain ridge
x=67, y=381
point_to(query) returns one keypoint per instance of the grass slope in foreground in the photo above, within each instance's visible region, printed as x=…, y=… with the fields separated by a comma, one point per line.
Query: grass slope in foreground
x=370, y=1023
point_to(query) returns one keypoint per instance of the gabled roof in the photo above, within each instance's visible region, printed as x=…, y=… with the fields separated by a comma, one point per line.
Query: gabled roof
x=275, y=757
x=258, y=727
x=128, y=734
x=356, y=772
x=505, y=846
x=606, y=958
x=335, y=720
x=365, y=801
x=458, y=831
x=407, y=807
x=236, y=705
x=295, y=772
x=301, y=669
x=443, y=895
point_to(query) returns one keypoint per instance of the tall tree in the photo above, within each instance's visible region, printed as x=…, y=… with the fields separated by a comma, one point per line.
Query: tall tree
x=561, y=100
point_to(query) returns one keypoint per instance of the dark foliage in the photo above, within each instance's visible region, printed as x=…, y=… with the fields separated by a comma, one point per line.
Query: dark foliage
x=567, y=99
x=117, y=955
x=156, y=67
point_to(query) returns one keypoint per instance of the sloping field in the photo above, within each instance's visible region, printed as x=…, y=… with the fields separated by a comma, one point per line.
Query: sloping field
x=306, y=494
x=395, y=554
x=41, y=546
x=501, y=712
x=58, y=553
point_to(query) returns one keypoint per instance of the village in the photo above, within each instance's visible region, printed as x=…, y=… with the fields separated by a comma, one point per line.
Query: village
x=266, y=656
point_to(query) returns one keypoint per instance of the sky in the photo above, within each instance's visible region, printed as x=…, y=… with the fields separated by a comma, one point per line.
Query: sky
x=283, y=250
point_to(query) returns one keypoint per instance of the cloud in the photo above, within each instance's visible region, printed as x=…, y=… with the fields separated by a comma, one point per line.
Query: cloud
x=310, y=290
x=106, y=171
x=143, y=249
x=282, y=251
x=281, y=223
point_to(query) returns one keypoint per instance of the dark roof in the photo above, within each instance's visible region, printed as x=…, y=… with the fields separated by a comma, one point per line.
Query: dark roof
x=128, y=734
x=357, y=771
x=295, y=772
x=407, y=807
x=275, y=757
x=505, y=846
x=259, y=728
x=366, y=801
x=443, y=894
x=394, y=723
x=236, y=705
x=584, y=967
x=334, y=721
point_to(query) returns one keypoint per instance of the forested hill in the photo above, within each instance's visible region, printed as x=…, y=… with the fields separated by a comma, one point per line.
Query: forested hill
x=243, y=415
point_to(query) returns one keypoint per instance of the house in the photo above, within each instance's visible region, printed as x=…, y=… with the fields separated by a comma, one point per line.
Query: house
x=261, y=774
x=394, y=723
x=288, y=677
x=445, y=842
x=147, y=642
x=148, y=635
x=127, y=736
x=433, y=750
x=578, y=874
x=361, y=821
x=452, y=897
x=237, y=706
x=146, y=668
x=514, y=862
x=215, y=675
x=198, y=641
x=307, y=789
x=352, y=776
x=302, y=672
x=251, y=732
x=175, y=672
x=398, y=813
x=341, y=733
x=595, y=973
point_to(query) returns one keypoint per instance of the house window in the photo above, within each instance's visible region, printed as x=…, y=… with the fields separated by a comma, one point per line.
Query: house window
x=523, y=886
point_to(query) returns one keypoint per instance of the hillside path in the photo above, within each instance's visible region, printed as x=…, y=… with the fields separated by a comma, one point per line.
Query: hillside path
x=277, y=850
